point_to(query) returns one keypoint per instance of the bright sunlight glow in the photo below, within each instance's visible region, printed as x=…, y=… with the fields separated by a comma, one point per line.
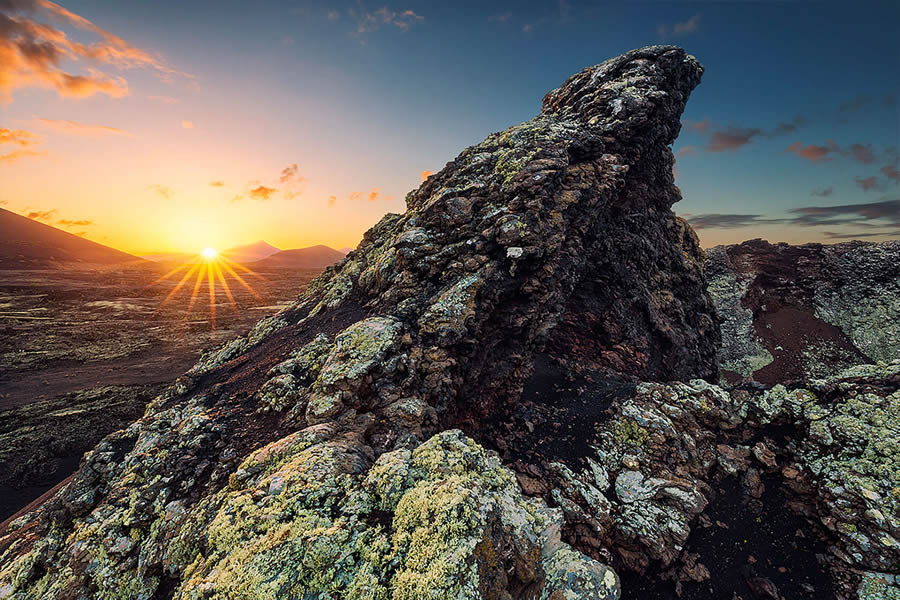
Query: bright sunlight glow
x=209, y=253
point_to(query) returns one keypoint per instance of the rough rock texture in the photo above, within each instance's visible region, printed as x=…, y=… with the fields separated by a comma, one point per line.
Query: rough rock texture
x=660, y=463
x=791, y=312
x=291, y=461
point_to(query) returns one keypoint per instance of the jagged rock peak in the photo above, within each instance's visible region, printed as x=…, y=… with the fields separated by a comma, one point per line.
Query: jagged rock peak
x=314, y=457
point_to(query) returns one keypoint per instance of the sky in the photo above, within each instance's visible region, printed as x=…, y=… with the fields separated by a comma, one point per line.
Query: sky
x=175, y=126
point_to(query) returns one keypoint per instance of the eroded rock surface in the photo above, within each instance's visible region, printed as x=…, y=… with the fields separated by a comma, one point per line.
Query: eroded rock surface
x=792, y=312
x=291, y=461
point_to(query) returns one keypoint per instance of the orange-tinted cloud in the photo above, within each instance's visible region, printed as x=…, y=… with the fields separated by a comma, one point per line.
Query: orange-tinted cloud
x=163, y=99
x=687, y=151
x=74, y=223
x=41, y=215
x=32, y=53
x=332, y=200
x=731, y=138
x=867, y=183
x=373, y=195
x=85, y=129
x=891, y=172
x=187, y=125
x=163, y=190
x=217, y=183
x=812, y=152
x=425, y=175
x=262, y=193
x=23, y=141
x=861, y=153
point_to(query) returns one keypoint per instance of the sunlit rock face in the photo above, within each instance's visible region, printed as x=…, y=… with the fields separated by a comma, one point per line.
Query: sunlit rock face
x=316, y=457
x=795, y=312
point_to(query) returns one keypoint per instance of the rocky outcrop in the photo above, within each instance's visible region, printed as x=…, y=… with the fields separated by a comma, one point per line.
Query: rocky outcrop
x=793, y=312
x=316, y=456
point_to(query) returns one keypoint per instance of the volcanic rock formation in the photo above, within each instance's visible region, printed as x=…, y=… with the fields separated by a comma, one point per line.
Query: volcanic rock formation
x=292, y=461
x=794, y=312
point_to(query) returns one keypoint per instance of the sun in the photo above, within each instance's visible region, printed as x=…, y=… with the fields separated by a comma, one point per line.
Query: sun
x=209, y=253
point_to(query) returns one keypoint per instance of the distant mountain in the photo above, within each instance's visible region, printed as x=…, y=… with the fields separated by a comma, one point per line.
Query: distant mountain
x=314, y=257
x=27, y=244
x=179, y=257
x=346, y=250
x=251, y=252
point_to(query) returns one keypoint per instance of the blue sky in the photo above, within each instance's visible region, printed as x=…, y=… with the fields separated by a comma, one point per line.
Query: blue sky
x=792, y=135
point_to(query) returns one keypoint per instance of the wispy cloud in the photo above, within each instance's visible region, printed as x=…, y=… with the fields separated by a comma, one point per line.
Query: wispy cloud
x=42, y=215
x=891, y=172
x=666, y=31
x=868, y=183
x=687, y=151
x=262, y=192
x=217, y=183
x=163, y=99
x=885, y=214
x=500, y=18
x=822, y=192
x=725, y=138
x=369, y=21
x=373, y=194
x=68, y=223
x=82, y=129
x=23, y=143
x=187, y=124
x=731, y=138
x=33, y=53
x=163, y=190
x=332, y=200
x=814, y=153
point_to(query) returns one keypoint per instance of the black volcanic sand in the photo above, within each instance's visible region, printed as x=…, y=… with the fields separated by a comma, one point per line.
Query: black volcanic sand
x=752, y=550
x=556, y=417
x=80, y=356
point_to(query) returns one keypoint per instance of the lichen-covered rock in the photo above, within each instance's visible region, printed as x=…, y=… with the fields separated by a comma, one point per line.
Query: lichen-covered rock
x=253, y=475
x=795, y=312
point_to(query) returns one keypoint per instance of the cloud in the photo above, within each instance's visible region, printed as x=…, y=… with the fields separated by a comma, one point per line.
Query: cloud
x=701, y=127
x=367, y=22
x=854, y=104
x=23, y=142
x=835, y=235
x=187, y=125
x=75, y=223
x=33, y=53
x=528, y=27
x=687, y=151
x=373, y=195
x=356, y=196
x=812, y=152
x=891, y=172
x=333, y=15
x=863, y=154
x=868, y=183
x=731, y=138
x=332, y=200
x=289, y=173
x=83, y=129
x=163, y=190
x=692, y=25
x=790, y=127
x=869, y=215
x=726, y=221
x=218, y=183
x=501, y=18
x=846, y=214
x=262, y=192
x=425, y=175
x=822, y=192
x=41, y=215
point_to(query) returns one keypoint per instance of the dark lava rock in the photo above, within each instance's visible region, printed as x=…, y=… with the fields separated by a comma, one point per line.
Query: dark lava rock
x=794, y=312
x=312, y=458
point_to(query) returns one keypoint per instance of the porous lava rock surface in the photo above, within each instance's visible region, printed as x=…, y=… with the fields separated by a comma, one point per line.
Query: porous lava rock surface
x=795, y=312
x=318, y=456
